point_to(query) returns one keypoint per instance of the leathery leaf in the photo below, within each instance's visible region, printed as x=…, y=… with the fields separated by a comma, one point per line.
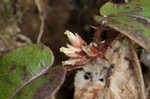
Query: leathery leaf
x=22, y=65
x=131, y=19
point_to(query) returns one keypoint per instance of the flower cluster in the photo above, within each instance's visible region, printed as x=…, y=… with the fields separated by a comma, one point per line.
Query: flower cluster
x=79, y=51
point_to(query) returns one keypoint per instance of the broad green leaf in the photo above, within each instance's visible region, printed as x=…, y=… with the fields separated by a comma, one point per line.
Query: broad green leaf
x=134, y=7
x=44, y=86
x=131, y=19
x=22, y=65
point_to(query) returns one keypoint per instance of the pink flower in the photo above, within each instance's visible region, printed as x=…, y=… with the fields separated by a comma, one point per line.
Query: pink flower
x=79, y=51
x=75, y=39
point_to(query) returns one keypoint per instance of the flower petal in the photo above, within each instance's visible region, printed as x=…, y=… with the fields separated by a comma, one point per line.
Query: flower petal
x=74, y=48
x=77, y=61
x=69, y=52
x=82, y=42
x=75, y=40
x=70, y=62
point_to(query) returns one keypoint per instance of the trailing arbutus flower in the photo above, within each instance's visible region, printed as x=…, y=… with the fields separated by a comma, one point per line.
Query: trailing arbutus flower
x=80, y=52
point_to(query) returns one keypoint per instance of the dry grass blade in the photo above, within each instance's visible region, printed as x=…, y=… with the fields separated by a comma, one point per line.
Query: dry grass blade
x=138, y=70
x=41, y=7
x=41, y=30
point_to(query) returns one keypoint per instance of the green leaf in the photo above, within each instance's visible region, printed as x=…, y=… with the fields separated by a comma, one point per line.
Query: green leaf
x=44, y=86
x=131, y=19
x=22, y=65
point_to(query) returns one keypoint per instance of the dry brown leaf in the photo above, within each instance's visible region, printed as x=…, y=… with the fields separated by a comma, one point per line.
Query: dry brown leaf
x=125, y=81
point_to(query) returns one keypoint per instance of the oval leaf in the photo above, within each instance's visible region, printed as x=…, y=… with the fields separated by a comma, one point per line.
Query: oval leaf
x=131, y=19
x=22, y=65
x=45, y=86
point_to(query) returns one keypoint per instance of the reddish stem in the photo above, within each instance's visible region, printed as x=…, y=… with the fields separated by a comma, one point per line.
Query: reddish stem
x=98, y=34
